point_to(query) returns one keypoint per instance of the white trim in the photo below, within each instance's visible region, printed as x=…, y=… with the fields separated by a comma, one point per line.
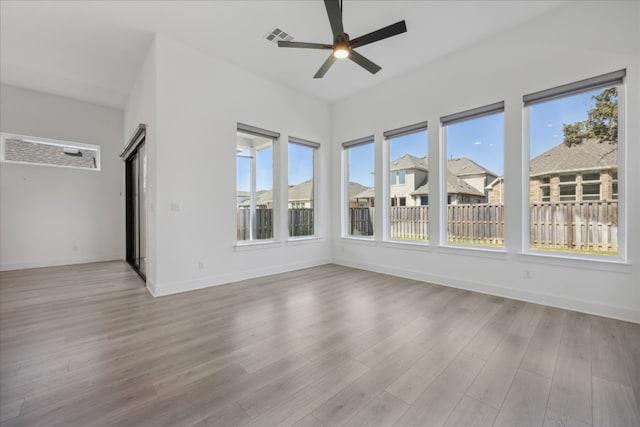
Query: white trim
x=304, y=240
x=250, y=245
x=566, y=259
x=407, y=245
x=57, y=262
x=568, y=256
x=151, y=287
x=159, y=290
x=589, y=307
x=365, y=241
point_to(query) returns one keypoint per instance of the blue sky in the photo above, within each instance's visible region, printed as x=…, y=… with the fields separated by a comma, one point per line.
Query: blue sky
x=481, y=140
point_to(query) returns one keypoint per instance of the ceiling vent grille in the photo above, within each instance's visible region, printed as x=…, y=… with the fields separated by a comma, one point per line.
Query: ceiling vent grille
x=276, y=34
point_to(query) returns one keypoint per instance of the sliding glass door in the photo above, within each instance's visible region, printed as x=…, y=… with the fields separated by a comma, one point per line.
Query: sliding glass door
x=136, y=182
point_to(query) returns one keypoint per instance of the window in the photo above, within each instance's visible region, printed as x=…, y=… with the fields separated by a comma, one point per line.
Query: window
x=359, y=161
x=474, y=142
x=254, y=183
x=573, y=136
x=408, y=218
x=49, y=152
x=424, y=200
x=301, y=187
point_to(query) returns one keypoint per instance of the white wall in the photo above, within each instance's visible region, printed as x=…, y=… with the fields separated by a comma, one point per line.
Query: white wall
x=56, y=216
x=141, y=109
x=569, y=44
x=199, y=101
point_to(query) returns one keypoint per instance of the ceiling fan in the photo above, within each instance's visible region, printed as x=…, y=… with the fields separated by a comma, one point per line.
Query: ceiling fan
x=343, y=46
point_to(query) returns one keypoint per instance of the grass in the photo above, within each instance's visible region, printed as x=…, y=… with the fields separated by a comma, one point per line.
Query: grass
x=575, y=251
x=495, y=245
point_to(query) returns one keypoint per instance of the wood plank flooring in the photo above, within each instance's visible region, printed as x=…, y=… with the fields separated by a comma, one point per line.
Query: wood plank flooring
x=87, y=345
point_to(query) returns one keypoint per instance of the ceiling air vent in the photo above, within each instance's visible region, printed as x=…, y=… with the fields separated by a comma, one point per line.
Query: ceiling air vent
x=276, y=34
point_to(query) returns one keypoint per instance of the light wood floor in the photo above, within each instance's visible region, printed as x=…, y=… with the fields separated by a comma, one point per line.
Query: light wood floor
x=87, y=345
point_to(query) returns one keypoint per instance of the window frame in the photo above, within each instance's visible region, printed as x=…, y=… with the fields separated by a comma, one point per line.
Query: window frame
x=316, y=150
x=53, y=142
x=614, y=79
x=274, y=137
x=445, y=198
x=386, y=186
x=346, y=146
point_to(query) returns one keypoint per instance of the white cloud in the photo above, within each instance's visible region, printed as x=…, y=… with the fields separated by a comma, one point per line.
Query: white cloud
x=477, y=143
x=549, y=125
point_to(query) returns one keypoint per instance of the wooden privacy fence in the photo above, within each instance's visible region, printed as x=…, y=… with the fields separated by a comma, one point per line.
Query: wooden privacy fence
x=476, y=224
x=584, y=226
x=300, y=223
x=361, y=221
x=409, y=222
x=264, y=224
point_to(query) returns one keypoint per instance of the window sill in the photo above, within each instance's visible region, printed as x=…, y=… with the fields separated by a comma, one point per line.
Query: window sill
x=474, y=251
x=250, y=246
x=406, y=245
x=359, y=240
x=591, y=262
x=306, y=240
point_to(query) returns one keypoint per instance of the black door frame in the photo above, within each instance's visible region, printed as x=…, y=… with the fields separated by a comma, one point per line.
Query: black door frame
x=130, y=155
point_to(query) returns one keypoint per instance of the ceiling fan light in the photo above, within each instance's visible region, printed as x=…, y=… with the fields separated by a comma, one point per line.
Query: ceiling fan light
x=341, y=52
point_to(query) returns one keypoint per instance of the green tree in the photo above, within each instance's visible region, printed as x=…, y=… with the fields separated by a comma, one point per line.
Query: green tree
x=601, y=124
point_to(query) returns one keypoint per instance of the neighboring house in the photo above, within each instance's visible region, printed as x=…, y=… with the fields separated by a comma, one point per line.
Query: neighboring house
x=300, y=197
x=586, y=171
x=360, y=196
x=458, y=192
x=409, y=186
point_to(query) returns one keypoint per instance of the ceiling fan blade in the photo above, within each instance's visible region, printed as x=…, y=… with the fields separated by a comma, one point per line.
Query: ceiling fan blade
x=364, y=62
x=325, y=67
x=381, y=34
x=334, y=11
x=305, y=45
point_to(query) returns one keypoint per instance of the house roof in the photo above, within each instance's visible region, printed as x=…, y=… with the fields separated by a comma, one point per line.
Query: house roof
x=409, y=162
x=463, y=166
x=590, y=155
x=355, y=188
x=369, y=193
x=455, y=185
x=302, y=191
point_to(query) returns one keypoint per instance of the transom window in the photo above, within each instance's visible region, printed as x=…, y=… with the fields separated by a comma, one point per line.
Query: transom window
x=49, y=152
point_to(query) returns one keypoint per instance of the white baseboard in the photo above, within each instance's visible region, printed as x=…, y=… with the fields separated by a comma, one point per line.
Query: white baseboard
x=59, y=262
x=589, y=307
x=151, y=287
x=164, y=289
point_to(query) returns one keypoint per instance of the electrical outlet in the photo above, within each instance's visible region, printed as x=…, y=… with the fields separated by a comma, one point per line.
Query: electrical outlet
x=200, y=265
x=527, y=274
x=175, y=206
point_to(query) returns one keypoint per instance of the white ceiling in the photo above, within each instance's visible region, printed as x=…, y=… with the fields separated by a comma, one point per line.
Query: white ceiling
x=93, y=50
